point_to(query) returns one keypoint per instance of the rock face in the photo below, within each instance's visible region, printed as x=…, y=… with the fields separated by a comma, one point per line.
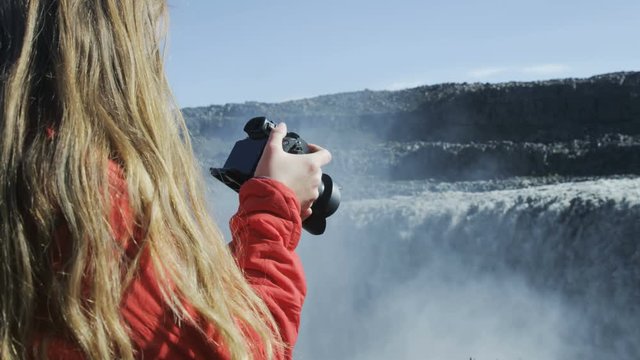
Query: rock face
x=611, y=154
x=463, y=131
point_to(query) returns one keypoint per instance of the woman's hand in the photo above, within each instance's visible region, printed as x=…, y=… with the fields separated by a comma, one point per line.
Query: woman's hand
x=300, y=172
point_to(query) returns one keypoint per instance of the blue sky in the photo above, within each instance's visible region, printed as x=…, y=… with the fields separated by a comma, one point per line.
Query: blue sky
x=276, y=50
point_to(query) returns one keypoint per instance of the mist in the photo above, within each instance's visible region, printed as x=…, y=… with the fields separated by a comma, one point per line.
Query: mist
x=499, y=274
x=471, y=265
x=458, y=275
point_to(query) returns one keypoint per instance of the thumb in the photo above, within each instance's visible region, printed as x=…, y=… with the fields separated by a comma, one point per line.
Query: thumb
x=277, y=135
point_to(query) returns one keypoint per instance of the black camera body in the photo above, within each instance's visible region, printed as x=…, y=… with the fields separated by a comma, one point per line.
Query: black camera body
x=243, y=160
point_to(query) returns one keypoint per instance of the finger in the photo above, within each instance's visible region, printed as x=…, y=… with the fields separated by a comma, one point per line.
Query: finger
x=306, y=214
x=313, y=148
x=321, y=155
x=308, y=204
x=277, y=135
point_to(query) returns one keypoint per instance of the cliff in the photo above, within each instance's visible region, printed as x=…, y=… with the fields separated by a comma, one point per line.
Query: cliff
x=462, y=131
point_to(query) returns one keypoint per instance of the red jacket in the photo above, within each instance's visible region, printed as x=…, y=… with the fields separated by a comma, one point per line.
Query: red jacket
x=266, y=230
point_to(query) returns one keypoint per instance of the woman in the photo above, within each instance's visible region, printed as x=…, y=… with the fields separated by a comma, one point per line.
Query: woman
x=106, y=248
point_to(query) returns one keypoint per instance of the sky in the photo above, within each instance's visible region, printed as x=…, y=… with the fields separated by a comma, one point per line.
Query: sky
x=277, y=50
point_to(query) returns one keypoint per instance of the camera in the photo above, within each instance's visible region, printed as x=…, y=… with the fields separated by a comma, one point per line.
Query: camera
x=243, y=160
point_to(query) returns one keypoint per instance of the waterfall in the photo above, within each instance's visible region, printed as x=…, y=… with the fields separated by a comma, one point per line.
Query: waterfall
x=543, y=272
x=479, y=221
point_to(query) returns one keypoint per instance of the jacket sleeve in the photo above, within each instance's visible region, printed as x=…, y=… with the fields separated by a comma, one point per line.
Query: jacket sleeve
x=265, y=232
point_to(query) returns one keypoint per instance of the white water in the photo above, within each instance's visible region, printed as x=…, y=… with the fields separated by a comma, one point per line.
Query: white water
x=545, y=272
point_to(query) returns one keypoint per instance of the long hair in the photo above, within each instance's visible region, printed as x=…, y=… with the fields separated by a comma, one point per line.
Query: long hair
x=81, y=85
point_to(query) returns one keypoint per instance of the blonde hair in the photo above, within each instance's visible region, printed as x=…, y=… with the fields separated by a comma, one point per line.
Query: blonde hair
x=92, y=71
